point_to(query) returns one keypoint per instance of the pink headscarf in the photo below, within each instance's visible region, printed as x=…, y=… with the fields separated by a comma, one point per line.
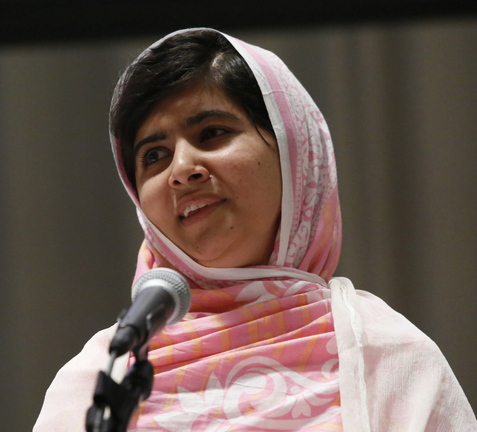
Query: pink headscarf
x=258, y=349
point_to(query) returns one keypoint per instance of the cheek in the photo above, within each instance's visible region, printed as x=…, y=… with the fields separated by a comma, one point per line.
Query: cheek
x=261, y=179
x=268, y=173
x=151, y=197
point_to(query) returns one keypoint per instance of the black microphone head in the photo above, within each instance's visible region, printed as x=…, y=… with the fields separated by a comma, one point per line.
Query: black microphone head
x=174, y=283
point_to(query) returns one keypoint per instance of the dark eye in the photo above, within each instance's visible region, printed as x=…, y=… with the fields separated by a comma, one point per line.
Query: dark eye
x=153, y=155
x=212, y=132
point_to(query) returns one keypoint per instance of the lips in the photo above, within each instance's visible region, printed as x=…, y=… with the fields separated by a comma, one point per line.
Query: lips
x=187, y=208
x=192, y=208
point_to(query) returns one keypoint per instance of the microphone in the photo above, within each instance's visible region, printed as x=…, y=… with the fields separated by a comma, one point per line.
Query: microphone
x=161, y=297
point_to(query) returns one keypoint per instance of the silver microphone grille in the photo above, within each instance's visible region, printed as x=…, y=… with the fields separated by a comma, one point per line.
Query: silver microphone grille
x=174, y=283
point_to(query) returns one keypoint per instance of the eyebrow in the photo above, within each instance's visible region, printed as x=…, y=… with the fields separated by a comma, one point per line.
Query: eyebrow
x=189, y=122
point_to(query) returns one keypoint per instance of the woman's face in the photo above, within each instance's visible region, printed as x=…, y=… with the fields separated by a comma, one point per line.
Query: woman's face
x=208, y=179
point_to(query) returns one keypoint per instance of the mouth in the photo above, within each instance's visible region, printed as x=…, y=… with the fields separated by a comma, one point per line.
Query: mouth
x=192, y=209
x=198, y=207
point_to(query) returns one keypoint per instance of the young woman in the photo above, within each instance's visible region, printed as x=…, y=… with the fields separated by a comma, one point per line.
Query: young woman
x=231, y=167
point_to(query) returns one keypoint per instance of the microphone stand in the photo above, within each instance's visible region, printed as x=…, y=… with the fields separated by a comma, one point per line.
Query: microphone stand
x=113, y=403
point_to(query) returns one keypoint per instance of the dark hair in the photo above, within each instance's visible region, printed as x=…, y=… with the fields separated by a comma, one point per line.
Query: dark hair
x=180, y=61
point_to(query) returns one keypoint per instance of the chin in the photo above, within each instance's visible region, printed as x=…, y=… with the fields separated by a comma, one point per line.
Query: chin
x=230, y=257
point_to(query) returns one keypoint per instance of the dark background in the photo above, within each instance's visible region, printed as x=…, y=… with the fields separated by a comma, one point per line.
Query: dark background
x=50, y=21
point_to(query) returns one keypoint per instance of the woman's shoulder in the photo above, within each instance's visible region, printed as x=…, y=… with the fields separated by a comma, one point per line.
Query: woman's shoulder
x=393, y=376
x=71, y=391
x=371, y=315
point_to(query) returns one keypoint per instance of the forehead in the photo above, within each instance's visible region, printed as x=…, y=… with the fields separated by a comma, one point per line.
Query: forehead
x=191, y=106
x=195, y=98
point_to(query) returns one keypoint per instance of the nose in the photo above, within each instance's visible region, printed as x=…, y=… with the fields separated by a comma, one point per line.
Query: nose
x=187, y=166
